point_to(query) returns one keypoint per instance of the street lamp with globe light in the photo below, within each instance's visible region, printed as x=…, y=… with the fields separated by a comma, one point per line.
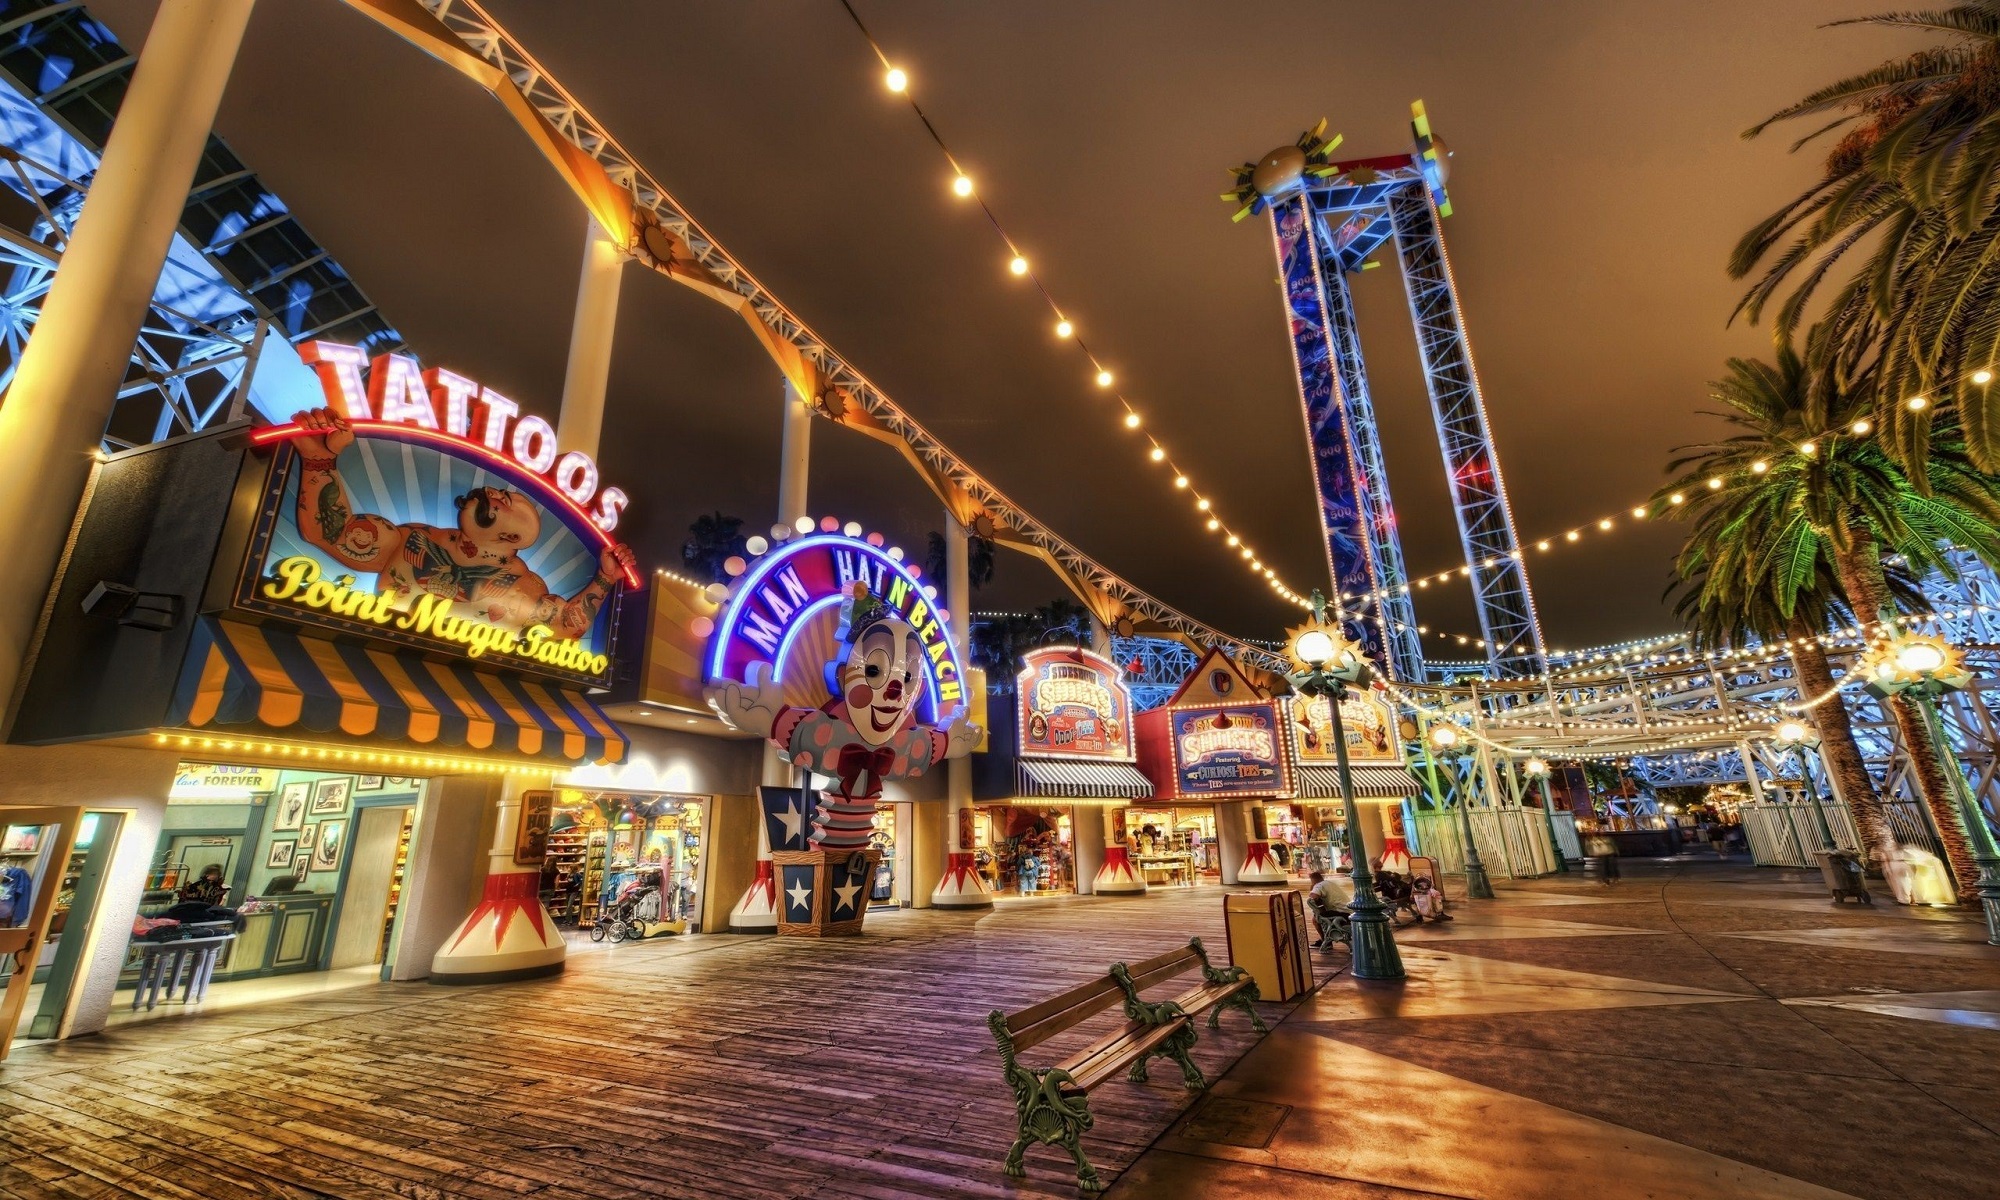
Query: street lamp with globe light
x=1797, y=736
x=1327, y=664
x=1446, y=742
x=1924, y=668
x=1538, y=770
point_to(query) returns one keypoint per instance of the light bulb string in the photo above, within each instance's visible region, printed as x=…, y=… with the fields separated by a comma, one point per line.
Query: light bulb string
x=1133, y=419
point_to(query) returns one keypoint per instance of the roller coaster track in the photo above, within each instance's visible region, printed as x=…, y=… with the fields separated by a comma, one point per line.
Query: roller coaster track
x=633, y=206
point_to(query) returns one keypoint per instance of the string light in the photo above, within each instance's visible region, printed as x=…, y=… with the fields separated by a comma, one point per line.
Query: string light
x=898, y=82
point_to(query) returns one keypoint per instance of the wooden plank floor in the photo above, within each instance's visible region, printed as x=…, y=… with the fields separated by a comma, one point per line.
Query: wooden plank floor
x=699, y=1067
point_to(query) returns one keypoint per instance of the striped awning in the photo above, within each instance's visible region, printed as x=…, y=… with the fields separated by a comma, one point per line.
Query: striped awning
x=277, y=678
x=1370, y=783
x=1080, y=780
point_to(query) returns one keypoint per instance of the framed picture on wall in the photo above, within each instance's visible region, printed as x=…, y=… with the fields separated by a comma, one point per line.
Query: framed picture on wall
x=369, y=783
x=330, y=795
x=326, y=850
x=291, y=802
x=307, y=836
x=280, y=855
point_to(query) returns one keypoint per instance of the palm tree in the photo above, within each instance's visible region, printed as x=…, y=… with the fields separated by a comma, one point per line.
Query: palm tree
x=1909, y=188
x=1000, y=639
x=1800, y=497
x=979, y=560
x=711, y=540
x=1733, y=593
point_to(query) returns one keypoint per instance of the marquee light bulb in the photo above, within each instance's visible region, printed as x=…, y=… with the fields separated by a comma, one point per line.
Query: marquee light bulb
x=1157, y=454
x=1541, y=545
x=1202, y=504
x=1234, y=540
x=1917, y=403
x=1809, y=449
x=1180, y=481
x=1131, y=420
x=1018, y=265
x=1759, y=467
x=803, y=524
x=1639, y=513
x=1715, y=483
x=1213, y=524
x=1677, y=498
x=1861, y=427
x=852, y=529
x=1247, y=552
x=1064, y=329
x=897, y=79
x=1572, y=535
x=1605, y=523
x=962, y=185
x=1104, y=379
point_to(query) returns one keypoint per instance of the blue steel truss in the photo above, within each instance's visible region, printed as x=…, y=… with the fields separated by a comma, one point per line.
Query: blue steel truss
x=1355, y=210
x=240, y=267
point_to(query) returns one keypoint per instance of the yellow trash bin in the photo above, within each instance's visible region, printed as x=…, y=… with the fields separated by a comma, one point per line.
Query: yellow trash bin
x=1269, y=937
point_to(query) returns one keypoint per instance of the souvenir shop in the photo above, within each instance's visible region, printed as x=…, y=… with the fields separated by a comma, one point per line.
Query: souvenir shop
x=1217, y=743
x=643, y=851
x=1059, y=767
x=1383, y=786
x=340, y=736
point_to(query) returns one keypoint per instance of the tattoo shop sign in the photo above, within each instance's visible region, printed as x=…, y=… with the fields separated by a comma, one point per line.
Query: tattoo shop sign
x=405, y=529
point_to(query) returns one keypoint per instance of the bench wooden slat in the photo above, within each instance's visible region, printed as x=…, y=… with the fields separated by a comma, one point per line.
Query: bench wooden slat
x=1162, y=968
x=1201, y=998
x=1119, y=1054
x=1032, y=1026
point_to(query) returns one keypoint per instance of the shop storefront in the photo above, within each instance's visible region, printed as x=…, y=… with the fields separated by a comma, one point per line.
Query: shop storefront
x=361, y=639
x=1382, y=785
x=636, y=854
x=1054, y=779
x=1216, y=754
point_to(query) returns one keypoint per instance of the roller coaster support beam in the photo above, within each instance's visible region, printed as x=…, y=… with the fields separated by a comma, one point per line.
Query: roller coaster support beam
x=581, y=423
x=74, y=365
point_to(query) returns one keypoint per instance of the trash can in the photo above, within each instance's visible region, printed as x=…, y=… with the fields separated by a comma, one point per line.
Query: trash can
x=1841, y=869
x=1268, y=937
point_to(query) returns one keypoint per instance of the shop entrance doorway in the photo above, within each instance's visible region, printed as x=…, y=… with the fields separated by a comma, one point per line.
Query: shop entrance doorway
x=36, y=845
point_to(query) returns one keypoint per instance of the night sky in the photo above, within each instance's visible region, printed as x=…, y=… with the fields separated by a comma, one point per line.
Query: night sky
x=1598, y=182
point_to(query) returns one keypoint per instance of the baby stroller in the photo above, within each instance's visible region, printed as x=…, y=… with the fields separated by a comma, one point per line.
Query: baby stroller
x=1400, y=894
x=636, y=905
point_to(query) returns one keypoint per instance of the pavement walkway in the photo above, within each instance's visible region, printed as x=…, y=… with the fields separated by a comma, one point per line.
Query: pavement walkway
x=1698, y=1030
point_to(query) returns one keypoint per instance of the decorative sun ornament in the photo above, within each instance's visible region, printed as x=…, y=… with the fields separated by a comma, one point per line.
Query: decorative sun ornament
x=1321, y=645
x=1258, y=183
x=1909, y=659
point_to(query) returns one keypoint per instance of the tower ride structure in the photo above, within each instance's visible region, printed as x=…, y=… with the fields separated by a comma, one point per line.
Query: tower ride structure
x=1327, y=218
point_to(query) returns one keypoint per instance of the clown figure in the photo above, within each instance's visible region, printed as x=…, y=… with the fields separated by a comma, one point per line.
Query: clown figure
x=865, y=733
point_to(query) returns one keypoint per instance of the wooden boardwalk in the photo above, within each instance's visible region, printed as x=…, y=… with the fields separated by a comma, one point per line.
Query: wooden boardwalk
x=705, y=1067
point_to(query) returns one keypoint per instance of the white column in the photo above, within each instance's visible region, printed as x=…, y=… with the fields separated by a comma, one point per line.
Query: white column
x=1100, y=636
x=1232, y=842
x=581, y=424
x=1116, y=876
x=509, y=934
x=795, y=458
x=962, y=885
x=1086, y=832
x=68, y=377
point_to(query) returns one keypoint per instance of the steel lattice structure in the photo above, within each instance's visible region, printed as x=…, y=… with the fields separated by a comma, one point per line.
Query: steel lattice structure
x=1326, y=227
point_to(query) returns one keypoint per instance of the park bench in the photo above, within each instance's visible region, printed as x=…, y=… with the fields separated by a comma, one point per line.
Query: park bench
x=1051, y=1103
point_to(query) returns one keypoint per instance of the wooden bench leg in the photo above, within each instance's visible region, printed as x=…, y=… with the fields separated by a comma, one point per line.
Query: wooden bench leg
x=1176, y=1048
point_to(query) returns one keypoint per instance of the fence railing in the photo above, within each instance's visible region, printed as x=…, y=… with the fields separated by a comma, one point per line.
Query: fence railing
x=1513, y=842
x=1786, y=833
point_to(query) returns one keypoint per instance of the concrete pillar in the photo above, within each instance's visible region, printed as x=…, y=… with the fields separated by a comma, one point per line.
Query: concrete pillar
x=1100, y=637
x=442, y=875
x=1232, y=843
x=1259, y=866
x=1086, y=831
x=581, y=423
x=795, y=456
x=961, y=885
x=69, y=374
x=509, y=934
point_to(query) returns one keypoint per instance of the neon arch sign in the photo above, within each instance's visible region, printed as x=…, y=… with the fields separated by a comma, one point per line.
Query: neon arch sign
x=777, y=598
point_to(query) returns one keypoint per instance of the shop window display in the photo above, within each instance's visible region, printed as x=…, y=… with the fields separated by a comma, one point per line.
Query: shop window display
x=1029, y=851
x=622, y=865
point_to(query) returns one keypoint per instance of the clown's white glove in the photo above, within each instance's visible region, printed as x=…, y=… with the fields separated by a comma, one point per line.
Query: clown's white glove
x=961, y=736
x=751, y=706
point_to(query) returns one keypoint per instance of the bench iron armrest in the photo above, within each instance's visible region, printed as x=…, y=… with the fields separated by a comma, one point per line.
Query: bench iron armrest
x=1222, y=974
x=1042, y=1111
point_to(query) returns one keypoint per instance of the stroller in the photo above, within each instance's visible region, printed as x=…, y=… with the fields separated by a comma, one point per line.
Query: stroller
x=636, y=905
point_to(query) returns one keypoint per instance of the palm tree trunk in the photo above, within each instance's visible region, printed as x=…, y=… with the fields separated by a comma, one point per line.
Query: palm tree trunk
x=1860, y=567
x=1843, y=756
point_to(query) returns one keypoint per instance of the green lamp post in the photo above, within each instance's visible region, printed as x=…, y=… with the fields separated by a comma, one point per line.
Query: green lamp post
x=1327, y=663
x=1538, y=770
x=1797, y=736
x=1446, y=743
x=1925, y=668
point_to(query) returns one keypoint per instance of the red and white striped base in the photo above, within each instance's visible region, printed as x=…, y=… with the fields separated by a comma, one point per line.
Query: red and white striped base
x=962, y=885
x=508, y=936
x=1260, y=867
x=1117, y=876
x=757, y=911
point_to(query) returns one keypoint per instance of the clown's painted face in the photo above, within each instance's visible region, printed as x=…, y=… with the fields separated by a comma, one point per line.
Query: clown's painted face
x=881, y=679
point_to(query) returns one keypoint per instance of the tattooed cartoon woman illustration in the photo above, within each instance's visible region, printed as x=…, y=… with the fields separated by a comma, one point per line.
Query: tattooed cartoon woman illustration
x=476, y=565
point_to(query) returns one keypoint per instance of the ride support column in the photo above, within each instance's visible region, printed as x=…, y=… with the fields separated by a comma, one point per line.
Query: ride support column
x=580, y=425
x=961, y=886
x=68, y=377
x=509, y=934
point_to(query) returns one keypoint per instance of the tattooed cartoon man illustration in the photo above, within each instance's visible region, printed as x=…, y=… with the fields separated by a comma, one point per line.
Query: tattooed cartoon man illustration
x=476, y=565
